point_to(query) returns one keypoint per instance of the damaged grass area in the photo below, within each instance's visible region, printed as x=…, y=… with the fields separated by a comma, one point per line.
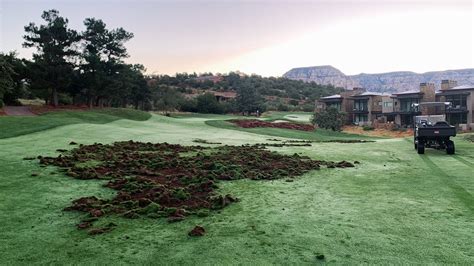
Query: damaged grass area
x=252, y=123
x=171, y=181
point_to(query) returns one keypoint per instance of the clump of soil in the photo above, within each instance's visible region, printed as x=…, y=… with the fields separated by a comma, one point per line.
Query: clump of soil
x=348, y=140
x=252, y=123
x=283, y=144
x=197, y=231
x=172, y=181
x=203, y=141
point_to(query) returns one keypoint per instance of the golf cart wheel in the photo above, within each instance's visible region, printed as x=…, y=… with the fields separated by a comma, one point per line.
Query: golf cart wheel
x=420, y=148
x=416, y=144
x=450, y=147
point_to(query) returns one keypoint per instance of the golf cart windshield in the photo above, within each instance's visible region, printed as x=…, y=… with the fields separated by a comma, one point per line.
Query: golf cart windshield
x=429, y=120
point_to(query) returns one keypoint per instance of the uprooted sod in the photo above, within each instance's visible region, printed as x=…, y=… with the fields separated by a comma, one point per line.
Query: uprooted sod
x=173, y=181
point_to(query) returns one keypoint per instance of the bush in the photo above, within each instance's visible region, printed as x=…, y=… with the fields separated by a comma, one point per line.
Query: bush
x=330, y=118
x=64, y=99
x=283, y=107
x=207, y=104
x=367, y=127
x=307, y=108
x=188, y=105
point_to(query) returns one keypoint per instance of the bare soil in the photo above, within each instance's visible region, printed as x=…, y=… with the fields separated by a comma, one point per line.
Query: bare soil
x=252, y=123
x=42, y=109
x=18, y=111
x=378, y=132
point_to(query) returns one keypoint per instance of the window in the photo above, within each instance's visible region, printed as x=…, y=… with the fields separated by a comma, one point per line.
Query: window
x=360, y=118
x=387, y=104
x=360, y=105
x=406, y=105
x=455, y=119
x=457, y=101
x=336, y=105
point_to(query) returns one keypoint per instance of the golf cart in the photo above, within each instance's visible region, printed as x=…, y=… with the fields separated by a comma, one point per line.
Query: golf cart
x=432, y=131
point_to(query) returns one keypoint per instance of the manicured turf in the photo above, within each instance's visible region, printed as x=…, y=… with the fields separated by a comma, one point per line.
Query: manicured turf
x=396, y=207
x=15, y=126
x=318, y=134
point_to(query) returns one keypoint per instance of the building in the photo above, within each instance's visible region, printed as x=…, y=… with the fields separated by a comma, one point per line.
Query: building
x=341, y=102
x=223, y=96
x=365, y=108
x=461, y=111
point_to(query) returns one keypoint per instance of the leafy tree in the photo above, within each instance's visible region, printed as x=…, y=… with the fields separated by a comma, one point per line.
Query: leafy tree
x=53, y=63
x=207, y=104
x=331, y=118
x=6, y=77
x=18, y=88
x=165, y=98
x=248, y=100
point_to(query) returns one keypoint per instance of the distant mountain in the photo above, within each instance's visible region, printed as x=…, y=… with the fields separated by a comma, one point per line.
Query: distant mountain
x=383, y=82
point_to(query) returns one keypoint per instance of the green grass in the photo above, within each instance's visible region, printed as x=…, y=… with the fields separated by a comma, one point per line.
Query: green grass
x=301, y=117
x=317, y=135
x=396, y=207
x=15, y=126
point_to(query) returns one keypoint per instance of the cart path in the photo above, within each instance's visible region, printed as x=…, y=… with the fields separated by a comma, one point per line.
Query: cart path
x=462, y=194
x=18, y=111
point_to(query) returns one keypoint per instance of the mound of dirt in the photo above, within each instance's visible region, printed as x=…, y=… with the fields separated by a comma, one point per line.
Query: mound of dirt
x=197, y=231
x=252, y=123
x=378, y=132
x=173, y=181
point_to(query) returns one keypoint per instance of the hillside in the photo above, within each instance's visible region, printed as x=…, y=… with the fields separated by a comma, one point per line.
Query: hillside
x=382, y=82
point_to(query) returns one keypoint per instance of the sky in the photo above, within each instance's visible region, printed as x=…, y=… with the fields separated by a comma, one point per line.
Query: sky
x=269, y=37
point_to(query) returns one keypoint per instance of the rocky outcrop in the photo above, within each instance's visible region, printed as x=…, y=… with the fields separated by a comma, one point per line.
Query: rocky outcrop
x=383, y=82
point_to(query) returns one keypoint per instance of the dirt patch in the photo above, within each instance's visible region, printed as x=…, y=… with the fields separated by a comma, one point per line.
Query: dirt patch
x=172, y=181
x=307, y=142
x=197, y=231
x=18, y=111
x=42, y=109
x=379, y=132
x=252, y=123
x=204, y=141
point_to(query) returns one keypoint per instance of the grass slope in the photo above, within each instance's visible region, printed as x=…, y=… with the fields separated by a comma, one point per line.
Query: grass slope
x=15, y=126
x=317, y=135
x=396, y=207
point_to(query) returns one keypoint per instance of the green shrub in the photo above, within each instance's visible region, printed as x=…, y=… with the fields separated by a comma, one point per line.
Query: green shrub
x=330, y=118
x=367, y=128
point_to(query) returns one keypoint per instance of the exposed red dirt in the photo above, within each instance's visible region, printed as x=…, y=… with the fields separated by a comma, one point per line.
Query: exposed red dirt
x=18, y=111
x=252, y=123
x=379, y=132
x=49, y=108
x=173, y=181
x=197, y=231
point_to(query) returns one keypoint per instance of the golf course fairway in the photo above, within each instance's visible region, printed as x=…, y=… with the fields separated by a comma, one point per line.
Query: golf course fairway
x=395, y=207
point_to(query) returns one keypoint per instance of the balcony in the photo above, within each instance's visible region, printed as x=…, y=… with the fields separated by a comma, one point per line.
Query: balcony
x=456, y=109
x=360, y=110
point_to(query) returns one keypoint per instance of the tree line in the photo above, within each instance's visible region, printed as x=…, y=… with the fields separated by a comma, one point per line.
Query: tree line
x=72, y=67
x=88, y=68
